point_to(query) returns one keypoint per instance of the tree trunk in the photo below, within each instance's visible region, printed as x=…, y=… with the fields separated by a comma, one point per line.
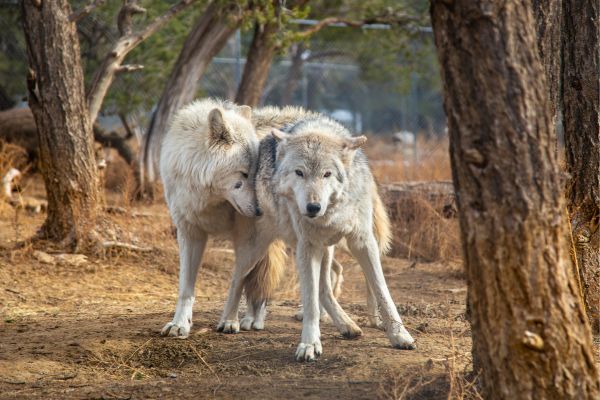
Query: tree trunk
x=531, y=339
x=206, y=39
x=548, y=18
x=57, y=99
x=258, y=64
x=581, y=114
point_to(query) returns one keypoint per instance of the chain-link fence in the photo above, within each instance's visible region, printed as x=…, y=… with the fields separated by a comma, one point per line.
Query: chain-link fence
x=346, y=80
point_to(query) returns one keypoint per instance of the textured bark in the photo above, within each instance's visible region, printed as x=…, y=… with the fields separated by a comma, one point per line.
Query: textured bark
x=57, y=99
x=258, y=64
x=581, y=113
x=207, y=37
x=548, y=18
x=531, y=339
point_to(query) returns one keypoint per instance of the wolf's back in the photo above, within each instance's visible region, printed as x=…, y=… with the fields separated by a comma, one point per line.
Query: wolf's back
x=269, y=117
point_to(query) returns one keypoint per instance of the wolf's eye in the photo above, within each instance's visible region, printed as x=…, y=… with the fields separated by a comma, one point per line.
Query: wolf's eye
x=245, y=175
x=238, y=185
x=299, y=173
x=327, y=174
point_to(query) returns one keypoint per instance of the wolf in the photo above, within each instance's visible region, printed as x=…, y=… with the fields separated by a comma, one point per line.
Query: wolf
x=314, y=178
x=208, y=162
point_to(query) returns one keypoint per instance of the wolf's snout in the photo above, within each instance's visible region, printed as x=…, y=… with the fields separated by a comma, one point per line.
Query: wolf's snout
x=258, y=212
x=313, y=209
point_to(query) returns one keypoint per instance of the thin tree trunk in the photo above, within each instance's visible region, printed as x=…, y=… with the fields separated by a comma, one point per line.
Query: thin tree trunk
x=57, y=99
x=581, y=114
x=258, y=64
x=205, y=40
x=531, y=339
x=294, y=74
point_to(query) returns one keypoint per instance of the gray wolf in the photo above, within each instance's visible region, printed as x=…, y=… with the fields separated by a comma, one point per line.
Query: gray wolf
x=316, y=180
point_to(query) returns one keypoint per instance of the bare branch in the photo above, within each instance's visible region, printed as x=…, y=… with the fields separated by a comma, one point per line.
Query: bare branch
x=125, y=18
x=125, y=123
x=393, y=20
x=129, y=68
x=104, y=75
x=79, y=14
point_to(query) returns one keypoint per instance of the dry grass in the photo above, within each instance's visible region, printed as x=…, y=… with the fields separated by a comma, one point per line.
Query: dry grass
x=421, y=232
x=390, y=163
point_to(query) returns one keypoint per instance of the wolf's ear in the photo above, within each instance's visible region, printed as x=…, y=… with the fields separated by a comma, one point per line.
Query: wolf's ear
x=218, y=131
x=245, y=111
x=278, y=135
x=354, y=143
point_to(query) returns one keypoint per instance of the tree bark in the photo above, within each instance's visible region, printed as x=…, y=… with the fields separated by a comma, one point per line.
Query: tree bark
x=531, y=339
x=548, y=18
x=258, y=64
x=57, y=99
x=581, y=114
x=208, y=36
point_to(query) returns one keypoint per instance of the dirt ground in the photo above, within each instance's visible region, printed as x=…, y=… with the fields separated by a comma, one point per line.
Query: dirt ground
x=89, y=329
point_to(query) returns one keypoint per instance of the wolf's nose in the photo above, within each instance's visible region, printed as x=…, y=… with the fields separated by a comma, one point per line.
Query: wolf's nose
x=313, y=208
x=258, y=212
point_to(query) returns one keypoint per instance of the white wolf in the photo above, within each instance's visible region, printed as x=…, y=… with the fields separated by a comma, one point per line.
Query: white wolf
x=317, y=182
x=208, y=161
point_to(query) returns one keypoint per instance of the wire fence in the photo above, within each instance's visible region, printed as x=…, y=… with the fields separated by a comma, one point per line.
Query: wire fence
x=327, y=76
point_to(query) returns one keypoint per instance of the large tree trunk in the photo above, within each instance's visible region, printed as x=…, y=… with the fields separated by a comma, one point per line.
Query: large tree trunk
x=581, y=114
x=548, y=18
x=531, y=339
x=206, y=39
x=57, y=99
x=258, y=64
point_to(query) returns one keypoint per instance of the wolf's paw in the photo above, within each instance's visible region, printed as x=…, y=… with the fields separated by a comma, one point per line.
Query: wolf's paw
x=350, y=330
x=309, y=351
x=173, y=329
x=400, y=338
x=248, y=323
x=230, y=326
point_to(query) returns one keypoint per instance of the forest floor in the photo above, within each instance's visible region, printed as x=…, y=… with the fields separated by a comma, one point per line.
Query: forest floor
x=89, y=328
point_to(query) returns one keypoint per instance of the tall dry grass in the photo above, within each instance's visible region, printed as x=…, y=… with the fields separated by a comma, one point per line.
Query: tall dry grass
x=422, y=231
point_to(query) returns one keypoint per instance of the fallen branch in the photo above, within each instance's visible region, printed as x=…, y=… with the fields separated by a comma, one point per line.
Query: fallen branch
x=127, y=246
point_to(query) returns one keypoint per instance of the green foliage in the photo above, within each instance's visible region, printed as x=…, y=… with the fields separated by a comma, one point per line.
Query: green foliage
x=13, y=53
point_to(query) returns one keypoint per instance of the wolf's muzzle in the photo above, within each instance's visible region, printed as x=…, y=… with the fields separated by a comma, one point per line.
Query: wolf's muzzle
x=258, y=212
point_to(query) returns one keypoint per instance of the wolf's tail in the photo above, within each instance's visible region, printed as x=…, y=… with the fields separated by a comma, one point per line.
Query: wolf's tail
x=261, y=282
x=381, y=222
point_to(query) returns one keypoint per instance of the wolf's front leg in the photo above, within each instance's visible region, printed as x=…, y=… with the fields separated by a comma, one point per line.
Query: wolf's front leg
x=191, y=248
x=308, y=261
x=365, y=249
x=342, y=321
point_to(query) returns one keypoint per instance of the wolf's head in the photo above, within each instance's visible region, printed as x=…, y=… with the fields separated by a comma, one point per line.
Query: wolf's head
x=232, y=141
x=312, y=168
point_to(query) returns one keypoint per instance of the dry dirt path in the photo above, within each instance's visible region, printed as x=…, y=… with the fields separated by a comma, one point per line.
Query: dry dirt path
x=91, y=331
